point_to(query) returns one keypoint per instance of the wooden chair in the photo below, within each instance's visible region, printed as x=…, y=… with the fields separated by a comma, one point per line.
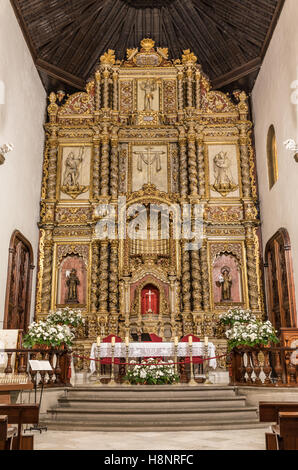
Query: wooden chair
x=284, y=434
x=19, y=415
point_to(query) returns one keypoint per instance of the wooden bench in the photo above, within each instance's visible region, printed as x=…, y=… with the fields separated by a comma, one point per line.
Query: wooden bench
x=284, y=435
x=19, y=415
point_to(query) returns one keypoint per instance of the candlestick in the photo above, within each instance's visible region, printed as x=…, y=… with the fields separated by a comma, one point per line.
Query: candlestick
x=192, y=378
x=176, y=341
x=206, y=364
x=98, y=340
x=113, y=341
x=127, y=340
x=112, y=381
x=190, y=340
x=98, y=363
x=206, y=340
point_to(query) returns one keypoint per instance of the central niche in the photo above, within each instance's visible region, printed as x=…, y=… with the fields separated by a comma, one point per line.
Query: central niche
x=150, y=166
x=150, y=300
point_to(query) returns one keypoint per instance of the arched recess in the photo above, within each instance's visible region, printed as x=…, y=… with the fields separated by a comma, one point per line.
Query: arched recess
x=280, y=288
x=19, y=283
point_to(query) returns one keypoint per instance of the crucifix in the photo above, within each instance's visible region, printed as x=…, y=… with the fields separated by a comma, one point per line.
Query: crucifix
x=150, y=295
x=149, y=157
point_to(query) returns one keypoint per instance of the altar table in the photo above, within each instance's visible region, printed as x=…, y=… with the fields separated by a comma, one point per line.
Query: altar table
x=151, y=349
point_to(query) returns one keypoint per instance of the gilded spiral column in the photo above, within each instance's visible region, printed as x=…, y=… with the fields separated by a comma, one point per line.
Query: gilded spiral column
x=198, y=89
x=104, y=184
x=192, y=161
x=183, y=165
x=196, y=281
x=189, y=86
x=106, y=75
x=114, y=165
x=251, y=259
x=97, y=90
x=244, y=159
x=47, y=272
x=96, y=168
x=205, y=277
x=115, y=90
x=113, y=282
x=201, y=166
x=53, y=157
x=185, y=279
x=94, y=276
x=104, y=277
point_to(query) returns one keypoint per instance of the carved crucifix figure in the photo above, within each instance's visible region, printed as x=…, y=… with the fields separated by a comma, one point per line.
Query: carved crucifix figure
x=150, y=295
x=149, y=157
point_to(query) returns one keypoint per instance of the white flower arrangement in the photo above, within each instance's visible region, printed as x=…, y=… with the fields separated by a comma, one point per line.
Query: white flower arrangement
x=151, y=372
x=251, y=334
x=238, y=315
x=49, y=334
x=66, y=316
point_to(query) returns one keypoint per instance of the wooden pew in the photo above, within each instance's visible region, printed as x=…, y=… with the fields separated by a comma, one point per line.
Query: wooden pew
x=6, y=434
x=21, y=414
x=284, y=435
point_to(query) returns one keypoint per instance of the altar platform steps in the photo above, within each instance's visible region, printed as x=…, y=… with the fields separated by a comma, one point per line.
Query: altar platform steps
x=151, y=408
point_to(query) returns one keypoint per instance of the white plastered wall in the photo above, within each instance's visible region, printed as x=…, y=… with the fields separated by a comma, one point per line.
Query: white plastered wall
x=274, y=103
x=21, y=123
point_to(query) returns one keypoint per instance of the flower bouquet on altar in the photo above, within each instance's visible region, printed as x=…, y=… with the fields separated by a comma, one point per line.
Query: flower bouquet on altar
x=151, y=372
x=48, y=334
x=66, y=316
x=236, y=315
x=255, y=333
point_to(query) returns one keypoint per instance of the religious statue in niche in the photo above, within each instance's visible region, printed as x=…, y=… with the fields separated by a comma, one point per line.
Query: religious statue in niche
x=149, y=157
x=224, y=182
x=72, y=282
x=225, y=283
x=227, y=280
x=148, y=87
x=72, y=172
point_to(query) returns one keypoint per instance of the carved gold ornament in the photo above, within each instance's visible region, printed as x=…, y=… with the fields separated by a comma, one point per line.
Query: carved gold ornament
x=188, y=57
x=108, y=58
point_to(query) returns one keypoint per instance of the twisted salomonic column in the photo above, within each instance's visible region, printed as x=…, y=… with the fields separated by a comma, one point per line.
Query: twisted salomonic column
x=97, y=90
x=183, y=164
x=114, y=164
x=244, y=159
x=205, y=277
x=96, y=166
x=47, y=272
x=115, y=90
x=104, y=184
x=196, y=281
x=201, y=166
x=189, y=87
x=113, y=284
x=104, y=277
x=52, y=170
x=106, y=75
x=192, y=161
x=186, y=284
x=251, y=260
x=94, y=276
x=180, y=90
x=198, y=89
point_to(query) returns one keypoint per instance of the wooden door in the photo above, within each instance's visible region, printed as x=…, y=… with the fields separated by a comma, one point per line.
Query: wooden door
x=19, y=283
x=280, y=288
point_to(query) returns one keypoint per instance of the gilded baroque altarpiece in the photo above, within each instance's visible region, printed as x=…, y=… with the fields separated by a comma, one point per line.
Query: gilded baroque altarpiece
x=151, y=130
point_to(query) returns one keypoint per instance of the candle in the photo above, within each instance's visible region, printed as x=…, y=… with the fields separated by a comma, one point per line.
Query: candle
x=127, y=340
x=190, y=340
x=176, y=341
x=113, y=340
x=206, y=340
x=98, y=340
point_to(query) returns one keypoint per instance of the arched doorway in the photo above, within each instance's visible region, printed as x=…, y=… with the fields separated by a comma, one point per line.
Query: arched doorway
x=280, y=287
x=150, y=300
x=19, y=283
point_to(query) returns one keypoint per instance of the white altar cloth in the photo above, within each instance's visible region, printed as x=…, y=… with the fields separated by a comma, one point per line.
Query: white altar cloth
x=151, y=349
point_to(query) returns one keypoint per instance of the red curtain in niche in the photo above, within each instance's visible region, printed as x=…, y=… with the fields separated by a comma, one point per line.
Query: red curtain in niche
x=150, y=300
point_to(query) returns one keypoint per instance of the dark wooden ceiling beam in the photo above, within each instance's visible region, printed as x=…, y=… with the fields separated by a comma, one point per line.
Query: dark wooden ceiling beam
x=60, y=75
x=237, y=74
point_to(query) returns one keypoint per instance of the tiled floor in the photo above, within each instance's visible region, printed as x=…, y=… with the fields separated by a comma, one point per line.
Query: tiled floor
x=247, y=439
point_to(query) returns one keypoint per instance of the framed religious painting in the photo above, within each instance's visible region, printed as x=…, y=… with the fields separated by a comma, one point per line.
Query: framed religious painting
x=74, y=172
x=223, y=163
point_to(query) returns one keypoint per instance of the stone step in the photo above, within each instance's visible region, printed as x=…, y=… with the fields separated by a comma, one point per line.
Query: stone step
x=146, y=417
x=181, y=427
x=152, y=403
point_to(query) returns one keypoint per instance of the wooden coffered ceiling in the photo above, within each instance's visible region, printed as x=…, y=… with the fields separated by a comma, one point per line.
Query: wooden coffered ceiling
x=67, y=37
